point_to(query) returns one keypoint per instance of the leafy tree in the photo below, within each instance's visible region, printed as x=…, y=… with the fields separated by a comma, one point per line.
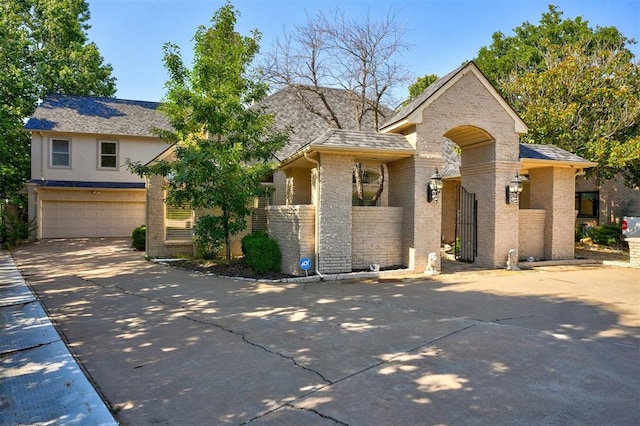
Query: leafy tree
x=44, y=49
x=222, y=145
x=358, y=54
x=576, y=87
x=419, y=86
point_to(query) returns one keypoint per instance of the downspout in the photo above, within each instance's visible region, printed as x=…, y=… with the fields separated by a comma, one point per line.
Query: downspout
x=317, y=221
x=41, y=156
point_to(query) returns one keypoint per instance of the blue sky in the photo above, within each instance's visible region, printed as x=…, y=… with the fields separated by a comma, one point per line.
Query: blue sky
x=443, y=33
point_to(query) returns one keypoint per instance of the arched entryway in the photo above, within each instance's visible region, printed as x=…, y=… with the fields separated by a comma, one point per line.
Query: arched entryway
x=460, y=219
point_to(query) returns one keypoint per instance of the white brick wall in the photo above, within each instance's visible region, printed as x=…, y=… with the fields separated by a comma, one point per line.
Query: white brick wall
x=634, y=251
x=376, y=236
x=294, y=229
x=531, y=235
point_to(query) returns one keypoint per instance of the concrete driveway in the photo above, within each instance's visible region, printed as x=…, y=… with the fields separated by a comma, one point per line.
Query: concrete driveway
x=165, y=346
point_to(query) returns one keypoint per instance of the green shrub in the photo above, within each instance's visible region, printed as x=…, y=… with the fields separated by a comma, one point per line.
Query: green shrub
x=16, y=229
x=261, y=253
x=139, y=237
x=608, y=235
x=208, y=236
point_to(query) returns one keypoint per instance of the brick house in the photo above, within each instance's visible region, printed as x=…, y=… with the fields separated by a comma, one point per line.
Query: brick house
x=461, y=126
x=319, y=221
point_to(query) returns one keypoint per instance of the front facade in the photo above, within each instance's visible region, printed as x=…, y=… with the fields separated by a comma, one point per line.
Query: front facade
x=80, y=185
x=318, y=220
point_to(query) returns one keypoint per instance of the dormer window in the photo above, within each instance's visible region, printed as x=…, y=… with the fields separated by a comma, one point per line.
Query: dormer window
x=108, y=155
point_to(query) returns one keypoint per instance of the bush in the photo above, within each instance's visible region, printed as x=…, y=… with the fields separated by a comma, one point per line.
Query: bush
x=139, y=237
x=208, y=236
x=608, y=235
x=261, y=253
x=16, y=229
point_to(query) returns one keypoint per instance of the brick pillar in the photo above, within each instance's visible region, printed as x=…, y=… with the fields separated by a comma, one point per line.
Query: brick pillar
x=335, y=213
x=553, y=189
x=155, y=216
x=422, y=222
x=497, y=221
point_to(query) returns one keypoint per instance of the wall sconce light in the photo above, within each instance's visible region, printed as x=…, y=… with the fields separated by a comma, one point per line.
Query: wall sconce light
x=513, y=190
x=434, y=187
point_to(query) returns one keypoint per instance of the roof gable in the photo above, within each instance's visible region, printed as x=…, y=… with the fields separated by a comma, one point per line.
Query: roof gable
x=412, y=113
x=96, y=115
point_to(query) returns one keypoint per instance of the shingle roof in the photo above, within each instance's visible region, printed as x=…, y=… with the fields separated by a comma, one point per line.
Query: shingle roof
x=85, y=114
x=548, y=152
x=290, y=110
x=362, y=140
x=527, y=152
x=356, y=142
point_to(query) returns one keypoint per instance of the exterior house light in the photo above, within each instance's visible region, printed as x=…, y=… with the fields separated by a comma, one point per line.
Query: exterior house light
x=434, y=187
x=513, y=190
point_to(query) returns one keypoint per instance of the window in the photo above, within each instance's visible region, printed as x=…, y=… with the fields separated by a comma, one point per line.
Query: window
x=587, y=204
x=60, y=153
x=108, y=155
x=179, y=222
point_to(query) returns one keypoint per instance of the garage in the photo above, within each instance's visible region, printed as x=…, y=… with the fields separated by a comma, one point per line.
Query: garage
x=76, y=219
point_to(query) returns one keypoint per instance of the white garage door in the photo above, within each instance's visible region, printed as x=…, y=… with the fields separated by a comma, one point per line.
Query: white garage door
x=78, y=219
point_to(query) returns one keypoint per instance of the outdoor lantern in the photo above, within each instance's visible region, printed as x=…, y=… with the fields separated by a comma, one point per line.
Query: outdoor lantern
x=434, y=187
x=513, y=190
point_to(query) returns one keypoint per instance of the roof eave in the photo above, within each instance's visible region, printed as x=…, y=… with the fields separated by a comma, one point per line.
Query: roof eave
x=531, y=163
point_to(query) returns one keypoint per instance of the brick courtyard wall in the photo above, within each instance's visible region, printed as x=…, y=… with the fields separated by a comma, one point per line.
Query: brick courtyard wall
x=531, y=233
x=376, y=236
x=294, y=229
x=553, y=189
x=634, y=251
x=335, y=213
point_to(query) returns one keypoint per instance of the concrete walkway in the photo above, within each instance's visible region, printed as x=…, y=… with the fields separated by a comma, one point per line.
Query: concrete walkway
x=165, y=346
x=40, y=381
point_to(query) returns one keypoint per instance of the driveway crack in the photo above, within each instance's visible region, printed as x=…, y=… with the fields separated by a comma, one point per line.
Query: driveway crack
x=213, y=324
x=324, y=416
x=257, y=345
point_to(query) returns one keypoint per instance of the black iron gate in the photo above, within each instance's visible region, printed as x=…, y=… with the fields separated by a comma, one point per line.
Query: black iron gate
x=466, y=248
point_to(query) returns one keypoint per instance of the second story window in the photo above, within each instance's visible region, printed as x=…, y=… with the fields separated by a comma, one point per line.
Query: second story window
x=108, y=155
x=60, y=153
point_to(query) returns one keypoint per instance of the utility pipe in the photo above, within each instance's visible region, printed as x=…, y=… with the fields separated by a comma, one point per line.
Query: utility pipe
x=317, y=221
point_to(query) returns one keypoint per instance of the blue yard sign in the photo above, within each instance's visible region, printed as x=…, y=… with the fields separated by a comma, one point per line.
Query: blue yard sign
x=305, y=264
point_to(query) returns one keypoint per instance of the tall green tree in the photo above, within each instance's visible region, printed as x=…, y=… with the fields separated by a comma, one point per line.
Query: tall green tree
x=224, y=148
x=44, y=49
x=576, y=87
x=419, y=86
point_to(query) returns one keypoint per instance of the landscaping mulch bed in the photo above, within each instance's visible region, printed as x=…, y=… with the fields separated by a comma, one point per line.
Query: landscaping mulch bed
x=602, y=253
x=235, y=269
